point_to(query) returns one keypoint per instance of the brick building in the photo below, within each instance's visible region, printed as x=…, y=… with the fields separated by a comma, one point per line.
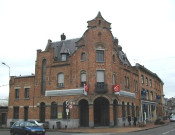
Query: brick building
x=76, y=82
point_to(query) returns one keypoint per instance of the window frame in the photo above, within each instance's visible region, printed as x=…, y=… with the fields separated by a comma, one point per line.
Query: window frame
x=17, y=93
x=54, y=110
x=100, y=55
x=16, y=112
x=60, y=82
x=83, y=56
x=26, y=93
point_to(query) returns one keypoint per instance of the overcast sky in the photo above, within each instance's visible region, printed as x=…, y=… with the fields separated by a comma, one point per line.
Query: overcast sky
x=145, y=29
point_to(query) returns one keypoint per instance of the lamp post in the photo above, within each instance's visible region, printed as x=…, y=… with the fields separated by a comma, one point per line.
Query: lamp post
x=8, y=67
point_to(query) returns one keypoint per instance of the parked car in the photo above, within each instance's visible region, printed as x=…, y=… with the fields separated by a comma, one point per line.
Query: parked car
x=37, y=123
x=26, y=128
x=172, y=118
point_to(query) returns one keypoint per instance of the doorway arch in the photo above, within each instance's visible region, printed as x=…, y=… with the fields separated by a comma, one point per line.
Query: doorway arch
x=42, y=112
x=115, y=104
x=84, y=113
x=101, y=112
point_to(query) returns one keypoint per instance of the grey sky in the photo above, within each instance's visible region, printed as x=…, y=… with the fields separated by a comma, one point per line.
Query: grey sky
x=145, y=29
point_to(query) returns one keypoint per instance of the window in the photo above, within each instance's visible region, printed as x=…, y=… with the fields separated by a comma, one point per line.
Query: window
x=16, y=112
x=83, y=56
x=123, y=110
x=63, y=57
x=151, y=95
x=133, y=110
x=135, y=85
x=26, y=93
x=83, y=78
x=100, y=77
x=60, y=80
x=142, y=79
x=126, y=82
x=99, y=55
x=53, y=110
x=150, y=82
x=16, y=93
x=128, y=109
x=64, y=111
x=113, y=79
x=43, y=82
x=146, y=81
x=113, y=58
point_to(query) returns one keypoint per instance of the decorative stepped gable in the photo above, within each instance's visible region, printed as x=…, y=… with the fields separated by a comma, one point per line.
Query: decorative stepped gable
x=99, y=21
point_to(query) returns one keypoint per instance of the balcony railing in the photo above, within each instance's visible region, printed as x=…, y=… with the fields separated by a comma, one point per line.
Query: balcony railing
x=101, y=87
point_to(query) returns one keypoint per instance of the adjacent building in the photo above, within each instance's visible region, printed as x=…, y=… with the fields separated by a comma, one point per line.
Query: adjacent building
x=85, y=82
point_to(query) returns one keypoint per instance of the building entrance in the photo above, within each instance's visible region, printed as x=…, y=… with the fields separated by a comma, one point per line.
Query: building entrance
x=84, y=113
x=101, y=112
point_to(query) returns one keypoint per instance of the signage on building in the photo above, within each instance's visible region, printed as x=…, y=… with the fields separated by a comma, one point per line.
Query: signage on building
x=59, y=115
x=116, y=89
x=86, y=88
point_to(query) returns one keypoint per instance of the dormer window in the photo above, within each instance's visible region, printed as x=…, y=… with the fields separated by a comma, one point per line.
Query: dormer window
x=63, y=57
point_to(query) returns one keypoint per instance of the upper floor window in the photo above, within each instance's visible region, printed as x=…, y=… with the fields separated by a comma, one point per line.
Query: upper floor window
x=142, y=79
x=63, y=57
x=26, y=93
x=99, y=55
x=135, y=85
x=83, y=78
x=43, y=81
x=83, y=56
x=60, y=80
x=113, y=79
x=113, y=58
x=146, y=81
x=100, y=76
x=127, y=82
x=16, y=93
x=150, y=82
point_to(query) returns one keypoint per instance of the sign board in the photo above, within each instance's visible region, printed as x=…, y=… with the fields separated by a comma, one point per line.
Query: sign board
x=116, y=88
x=67, y=110
x=59, y=115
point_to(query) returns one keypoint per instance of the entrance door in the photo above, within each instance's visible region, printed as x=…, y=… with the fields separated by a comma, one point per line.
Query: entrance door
x=84, y=113
x=26, y=113
x=42, y=112
x=115, y=103
x=101, y=112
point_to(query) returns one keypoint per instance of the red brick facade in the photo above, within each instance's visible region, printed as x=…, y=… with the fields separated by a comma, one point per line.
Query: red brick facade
x=104, y=64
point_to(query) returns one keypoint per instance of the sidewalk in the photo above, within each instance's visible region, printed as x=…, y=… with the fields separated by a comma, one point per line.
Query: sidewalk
x=113, y=130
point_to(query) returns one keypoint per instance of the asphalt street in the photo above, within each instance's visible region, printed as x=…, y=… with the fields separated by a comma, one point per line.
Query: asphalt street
x=163, y=130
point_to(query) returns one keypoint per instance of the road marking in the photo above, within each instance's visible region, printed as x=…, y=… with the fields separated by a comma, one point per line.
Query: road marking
x=173, y=130
x=165, y=133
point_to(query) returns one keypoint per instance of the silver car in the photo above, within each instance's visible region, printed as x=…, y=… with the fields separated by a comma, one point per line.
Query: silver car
x=172, y=118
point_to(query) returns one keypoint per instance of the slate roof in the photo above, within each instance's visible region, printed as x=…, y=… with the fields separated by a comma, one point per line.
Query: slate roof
x=63, y=47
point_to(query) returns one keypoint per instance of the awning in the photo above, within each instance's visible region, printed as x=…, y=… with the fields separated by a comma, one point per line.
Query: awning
x=64, y=92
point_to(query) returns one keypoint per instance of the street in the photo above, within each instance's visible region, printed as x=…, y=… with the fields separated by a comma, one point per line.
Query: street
x=163, y=130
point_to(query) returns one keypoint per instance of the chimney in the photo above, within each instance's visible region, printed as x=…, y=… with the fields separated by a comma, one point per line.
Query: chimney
x=63, y=37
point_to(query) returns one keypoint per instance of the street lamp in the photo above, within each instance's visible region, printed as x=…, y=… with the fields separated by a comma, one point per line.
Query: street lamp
x=8, y=67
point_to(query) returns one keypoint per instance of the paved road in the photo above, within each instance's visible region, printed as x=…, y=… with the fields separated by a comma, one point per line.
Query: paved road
x=164, y=130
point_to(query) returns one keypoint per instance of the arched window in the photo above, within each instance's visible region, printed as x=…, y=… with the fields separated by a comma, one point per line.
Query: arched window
x=43, y=81
x=128, y=109
x=60, y=80
x=133, y=110
x=64, y=114
x=113, y=58
x=123, y=110
x=53, y=110
x=83, y=56
x=42, y=112
x=113, y=79
x=83, y=78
